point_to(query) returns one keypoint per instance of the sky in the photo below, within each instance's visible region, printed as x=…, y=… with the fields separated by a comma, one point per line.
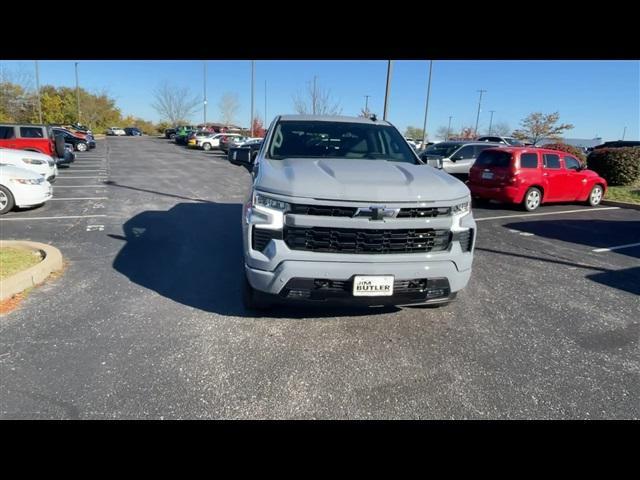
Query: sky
x=600, y=98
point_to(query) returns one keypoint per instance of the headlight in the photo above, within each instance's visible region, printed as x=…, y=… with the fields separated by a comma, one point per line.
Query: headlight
x=28, y=181
x=460, y=208
x=32, y=161
x=268, y=202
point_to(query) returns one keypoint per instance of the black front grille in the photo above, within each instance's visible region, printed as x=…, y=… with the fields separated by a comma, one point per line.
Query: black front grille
x=323, y=210
x=333, y=211
x=260, y=237
x=365, y=241
x=322, y=288
x=424, y=212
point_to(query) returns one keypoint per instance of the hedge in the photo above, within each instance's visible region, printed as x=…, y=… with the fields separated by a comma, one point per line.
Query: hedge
x=619, y=166
x=563, y=147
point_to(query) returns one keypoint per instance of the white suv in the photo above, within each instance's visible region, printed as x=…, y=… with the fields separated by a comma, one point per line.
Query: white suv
x=210, y=141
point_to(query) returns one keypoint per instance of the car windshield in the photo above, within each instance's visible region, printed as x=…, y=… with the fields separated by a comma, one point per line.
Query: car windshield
x=493, y=158
x=326, y=139
x=514, y=142
x=442, y=149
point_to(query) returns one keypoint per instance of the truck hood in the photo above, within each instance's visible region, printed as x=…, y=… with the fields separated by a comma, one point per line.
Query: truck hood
x=357, y=180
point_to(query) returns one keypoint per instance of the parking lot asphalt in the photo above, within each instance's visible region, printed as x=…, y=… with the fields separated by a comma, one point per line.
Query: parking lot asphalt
x=147, y=320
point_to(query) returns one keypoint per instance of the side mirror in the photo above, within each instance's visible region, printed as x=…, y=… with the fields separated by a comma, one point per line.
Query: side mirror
x=434, y=162
x=240, y=156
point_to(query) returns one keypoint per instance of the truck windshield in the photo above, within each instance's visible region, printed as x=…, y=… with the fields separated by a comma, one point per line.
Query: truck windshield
x=326, y=139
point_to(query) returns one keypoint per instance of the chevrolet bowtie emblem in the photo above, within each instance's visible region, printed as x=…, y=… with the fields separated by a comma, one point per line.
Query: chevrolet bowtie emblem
x=376, y=212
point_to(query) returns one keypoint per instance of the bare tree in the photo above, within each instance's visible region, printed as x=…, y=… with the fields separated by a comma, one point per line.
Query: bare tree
x=316, y=101
x=229, y=106
x=174, y=104
x=501, y=129
x=537, y=126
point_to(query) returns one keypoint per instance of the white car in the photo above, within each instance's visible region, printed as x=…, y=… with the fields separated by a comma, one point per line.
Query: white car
x=39, y=163
x=21, y=187
x=212, y=140
x=116, y=131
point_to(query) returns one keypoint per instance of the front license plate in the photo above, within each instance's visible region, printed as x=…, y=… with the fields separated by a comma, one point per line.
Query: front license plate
x=487, y=175
x=373, y=286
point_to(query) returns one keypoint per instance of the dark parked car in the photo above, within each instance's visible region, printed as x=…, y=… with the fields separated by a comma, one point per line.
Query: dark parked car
x=618, y=144
x=133, y=132
x=79, y=144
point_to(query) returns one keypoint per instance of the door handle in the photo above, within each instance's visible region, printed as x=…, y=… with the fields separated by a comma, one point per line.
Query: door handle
x=545, y=174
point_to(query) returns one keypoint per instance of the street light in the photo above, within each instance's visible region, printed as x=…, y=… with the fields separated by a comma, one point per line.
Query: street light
x=449, y=128
x=478, y=116
x=205, y=94
x=491, y=121
x=426, y=108
x=386, y=95
x=38, y=93
x=77, y=94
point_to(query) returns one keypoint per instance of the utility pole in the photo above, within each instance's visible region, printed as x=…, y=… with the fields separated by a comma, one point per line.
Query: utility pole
x=478, y=116
x=205, y=94
x=491, y=121
x=315, y=95
x=77, y=94
x=386, y=94
x=265, y=105
x=449, y=128
x=624, y=132
x=38, y=93
x=426, y=108
x=253, y=78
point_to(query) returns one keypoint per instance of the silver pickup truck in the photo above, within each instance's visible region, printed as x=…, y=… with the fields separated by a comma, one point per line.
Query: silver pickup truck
x=343, y=210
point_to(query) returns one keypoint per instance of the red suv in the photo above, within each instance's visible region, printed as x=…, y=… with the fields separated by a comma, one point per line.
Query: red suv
x=531, y=176
x=36, y=138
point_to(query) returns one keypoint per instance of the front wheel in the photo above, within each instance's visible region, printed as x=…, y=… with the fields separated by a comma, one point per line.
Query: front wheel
x=81, y=147
x=595, y=197
x=6, y=200
x=532, y=199
x=206, y=147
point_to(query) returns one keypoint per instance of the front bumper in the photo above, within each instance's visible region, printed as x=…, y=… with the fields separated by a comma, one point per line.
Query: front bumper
x=30, y=195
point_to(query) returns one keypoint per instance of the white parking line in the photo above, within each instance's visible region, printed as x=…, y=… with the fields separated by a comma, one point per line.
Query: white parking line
x=615, y=248
x=79, y=186
x=49, y=218
x=84, y=176
x=547, y=213
x=78, y=198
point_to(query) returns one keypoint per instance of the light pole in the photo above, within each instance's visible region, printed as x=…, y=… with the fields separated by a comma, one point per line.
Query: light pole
x=38, y=93
x=475, y=131
x=77, y=94
x=624, y=132
x=315, y=95
x=449, y=128
x=253, y=77
x=366, y=105
x=426, y=108
x=265, y=103
x=386, y=94
x=491, y=121
x=205, y=94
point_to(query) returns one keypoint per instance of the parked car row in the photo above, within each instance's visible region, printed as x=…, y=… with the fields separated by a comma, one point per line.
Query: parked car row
x=122, y=132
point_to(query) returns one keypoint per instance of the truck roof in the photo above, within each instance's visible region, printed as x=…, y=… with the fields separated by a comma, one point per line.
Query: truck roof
x=331, y=118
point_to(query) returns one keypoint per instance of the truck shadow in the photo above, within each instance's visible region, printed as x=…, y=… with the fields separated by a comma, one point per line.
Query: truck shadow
x=193, y=255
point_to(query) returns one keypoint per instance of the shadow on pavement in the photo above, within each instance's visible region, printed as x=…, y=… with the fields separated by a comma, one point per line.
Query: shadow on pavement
x=592, y=233
x=193, y=255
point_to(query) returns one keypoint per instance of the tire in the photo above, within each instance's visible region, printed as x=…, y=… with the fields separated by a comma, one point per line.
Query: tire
x=252, y=299
x=595, y=196
x=206, y=147
x=6, y=200
x=172, y=136
x=532, y=199
x=81, y=147
x=59, y=141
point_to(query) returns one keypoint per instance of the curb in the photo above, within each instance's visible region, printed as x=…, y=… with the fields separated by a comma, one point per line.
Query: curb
x=612, y=203
x=32, y=276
